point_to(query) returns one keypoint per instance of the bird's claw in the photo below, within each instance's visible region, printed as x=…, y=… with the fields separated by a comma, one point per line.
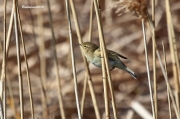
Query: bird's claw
x=112, y=68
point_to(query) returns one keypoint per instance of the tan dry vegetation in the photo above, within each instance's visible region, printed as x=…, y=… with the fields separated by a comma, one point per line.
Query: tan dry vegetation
x=122, y=34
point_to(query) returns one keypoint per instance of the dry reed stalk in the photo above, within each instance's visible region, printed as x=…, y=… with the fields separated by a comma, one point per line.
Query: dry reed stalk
x=86, y=76
x=9, y=31
x=154, y=60
x=43, y=98
x=3, y=62
x=3, y=74
x=86, y=64
x=3, y=94
x=15, y=3
x=94, y=100
x=61, y=104
x=12, y=102
x=42, y=61
x=8, y=36
x=73, y=60
x=139, y=9
x=84, y=94
x=105, y=84
x=41, y=45
x=90, y=83
x=106, y=93
x=26, y=63
x=2, y=105
x=96, y=108
x=42, y=82
x=104, y=59
x=174, y=54
x=168, y=85
x=148, y=71
x=33, y=24
x=168, y=94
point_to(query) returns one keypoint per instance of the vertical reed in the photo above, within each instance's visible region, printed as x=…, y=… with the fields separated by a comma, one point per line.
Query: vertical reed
x=139, y=9
x=90, y=84
x=168, y=93
x=148, y=71
x=154, y=60
x=61, y=104
x=104, y=59
x=73, y=60
x=18, y=60
x=26, y=63
x=42, y=80
x=3, y=84
x=174, y=53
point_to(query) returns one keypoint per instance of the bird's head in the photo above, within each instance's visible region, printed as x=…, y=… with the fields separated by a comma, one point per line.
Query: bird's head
x=88, y=47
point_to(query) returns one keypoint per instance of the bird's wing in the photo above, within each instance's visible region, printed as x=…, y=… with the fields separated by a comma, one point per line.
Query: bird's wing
x=111, y=58
x=115, y=53
x=110, y=55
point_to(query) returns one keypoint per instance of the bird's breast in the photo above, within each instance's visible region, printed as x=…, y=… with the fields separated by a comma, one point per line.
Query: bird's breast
x=97, y=62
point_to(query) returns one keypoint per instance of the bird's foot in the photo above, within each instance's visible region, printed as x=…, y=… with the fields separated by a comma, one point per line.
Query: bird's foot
x=112, y=68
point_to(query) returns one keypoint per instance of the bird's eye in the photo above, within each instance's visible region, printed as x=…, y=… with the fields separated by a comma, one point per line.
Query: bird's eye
x=85, y=46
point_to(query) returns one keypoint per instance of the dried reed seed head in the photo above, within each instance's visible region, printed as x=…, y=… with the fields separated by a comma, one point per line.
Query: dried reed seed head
x=136, y=7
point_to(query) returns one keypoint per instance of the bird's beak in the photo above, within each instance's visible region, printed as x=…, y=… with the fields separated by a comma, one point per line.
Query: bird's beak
x=80, y=44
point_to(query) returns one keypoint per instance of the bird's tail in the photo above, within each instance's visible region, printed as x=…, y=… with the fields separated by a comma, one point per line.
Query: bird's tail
x=131, y=72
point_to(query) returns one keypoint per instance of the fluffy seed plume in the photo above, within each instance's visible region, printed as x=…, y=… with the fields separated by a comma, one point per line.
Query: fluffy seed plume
x=136, y=7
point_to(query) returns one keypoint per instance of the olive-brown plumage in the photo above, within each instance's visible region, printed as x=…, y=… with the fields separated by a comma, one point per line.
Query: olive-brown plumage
x=93, y=54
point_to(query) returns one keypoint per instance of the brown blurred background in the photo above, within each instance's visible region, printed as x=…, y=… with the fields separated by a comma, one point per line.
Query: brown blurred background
x=123, y=34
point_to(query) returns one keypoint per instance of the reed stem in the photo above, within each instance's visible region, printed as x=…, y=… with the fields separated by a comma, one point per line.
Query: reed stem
x=27, y=67
x=168, y=93
x=73, y=60
x=103, y=49
x=154, y=60
x=174, y=54
x=61, y=104
x=96, y=108
x=18, y=60
x=148, y=71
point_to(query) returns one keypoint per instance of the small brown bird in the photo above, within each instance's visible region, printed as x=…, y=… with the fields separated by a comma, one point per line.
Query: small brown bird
x=93, y=54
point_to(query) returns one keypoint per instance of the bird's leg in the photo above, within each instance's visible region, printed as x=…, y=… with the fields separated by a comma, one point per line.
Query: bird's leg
x=112, y=68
